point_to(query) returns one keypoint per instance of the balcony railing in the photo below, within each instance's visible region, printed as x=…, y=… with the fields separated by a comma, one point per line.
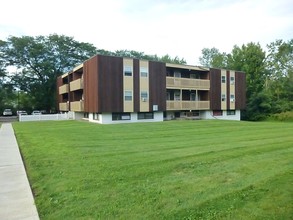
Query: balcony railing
x=63, y=106
x=77, y=106
x=76, y=85
x=63, y=89
x=185, y=83
x=188, y=105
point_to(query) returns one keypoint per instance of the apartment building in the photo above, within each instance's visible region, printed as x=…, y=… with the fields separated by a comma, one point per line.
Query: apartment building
x=107, y=89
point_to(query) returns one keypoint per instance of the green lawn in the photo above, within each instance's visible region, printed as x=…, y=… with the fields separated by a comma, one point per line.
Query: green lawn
x=170, y=170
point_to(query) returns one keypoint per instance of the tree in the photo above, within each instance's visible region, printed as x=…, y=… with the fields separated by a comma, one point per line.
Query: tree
x=167, y=59
x=250, y=59
x=213, y=58
x=279, y=82
x=40, y=60
x=6, y=89
x=141, y=55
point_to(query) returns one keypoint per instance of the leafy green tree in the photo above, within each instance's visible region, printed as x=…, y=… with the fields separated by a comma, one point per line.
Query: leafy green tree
x=213, y=58
x=40, y=60
x=6, y=89
x=141, y=55
x=176, y=60
x=251, y=59
x=279, y=82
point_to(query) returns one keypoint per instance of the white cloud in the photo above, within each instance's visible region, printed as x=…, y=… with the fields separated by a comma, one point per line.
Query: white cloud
x=176, y=27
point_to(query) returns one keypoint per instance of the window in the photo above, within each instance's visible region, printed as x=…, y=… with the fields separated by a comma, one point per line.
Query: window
x=143, y=72
x=223, y=97
x=232, y=80
x=231, y=112
x=144, y=95
x=232, y=98
x=145, y=115
x=127, y=95
x=192, y=96
x=177, y=74
x=120, y=116
x=127, y=71
x=223, y=79
x=177, y=95
x=168, y=96
x=194, y=76
x=217, y=113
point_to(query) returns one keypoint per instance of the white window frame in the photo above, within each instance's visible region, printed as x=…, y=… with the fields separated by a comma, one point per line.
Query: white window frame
x=232, y=80
x=144, y=72
x=128, y=70
x=127, y=94
x=223, y=79
x=232, y=98
x=223, y=97
x=144, y=95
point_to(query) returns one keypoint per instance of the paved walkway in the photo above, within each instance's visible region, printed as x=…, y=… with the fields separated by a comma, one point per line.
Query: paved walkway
x=16, y=199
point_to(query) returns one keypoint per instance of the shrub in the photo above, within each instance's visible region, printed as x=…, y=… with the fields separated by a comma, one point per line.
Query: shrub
x=283, y=116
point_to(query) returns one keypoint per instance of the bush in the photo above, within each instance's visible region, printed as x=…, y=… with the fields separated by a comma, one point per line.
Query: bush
x=283, y=116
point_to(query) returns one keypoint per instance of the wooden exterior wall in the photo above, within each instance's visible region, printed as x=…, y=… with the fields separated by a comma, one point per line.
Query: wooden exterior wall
x=240, y=90
x=110, y=84
x=136, y=91
x=58, y=97
x=90, y=90
x=228, y=89
x=157, y=85
x=215, y=89
x=103, y=84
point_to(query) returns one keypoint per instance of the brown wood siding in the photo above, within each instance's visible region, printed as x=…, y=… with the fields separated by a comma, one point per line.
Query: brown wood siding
x=215, y=89
x=228, y=89
x=59, y=97
x=110, y=84
x=90, y=69
x=240, y=90
x=157, y=85
x=136, y=92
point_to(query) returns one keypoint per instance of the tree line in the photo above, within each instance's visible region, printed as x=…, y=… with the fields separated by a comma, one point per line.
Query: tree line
x=38, y=61
x=269, y=75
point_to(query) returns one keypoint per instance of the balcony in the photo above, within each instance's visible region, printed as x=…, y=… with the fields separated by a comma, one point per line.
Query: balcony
x=77, y=106
x=76, y=85
x=188, y=105
x=63, y=106
x=186, y=83
x=63, y=89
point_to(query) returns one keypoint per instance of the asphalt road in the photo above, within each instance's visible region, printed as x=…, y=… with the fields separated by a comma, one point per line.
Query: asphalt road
x=8, y=118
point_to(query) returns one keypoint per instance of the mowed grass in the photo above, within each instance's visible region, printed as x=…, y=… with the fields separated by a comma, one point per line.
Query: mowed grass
x=170, y=170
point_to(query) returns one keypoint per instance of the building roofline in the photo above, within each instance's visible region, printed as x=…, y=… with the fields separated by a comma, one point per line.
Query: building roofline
x=184, y=66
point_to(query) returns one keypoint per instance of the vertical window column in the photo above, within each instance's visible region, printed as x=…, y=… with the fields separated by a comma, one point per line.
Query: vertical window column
x=144, y=105
x=223, y=89
x=128, y=85
x=232, y=90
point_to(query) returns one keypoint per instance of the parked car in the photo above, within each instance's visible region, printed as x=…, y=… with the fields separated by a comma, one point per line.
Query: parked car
x=21, y=113
x=7, y=112
x=36, y=112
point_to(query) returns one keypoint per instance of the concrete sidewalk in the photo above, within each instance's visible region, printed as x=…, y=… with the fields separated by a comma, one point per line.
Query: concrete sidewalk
x=16, y=199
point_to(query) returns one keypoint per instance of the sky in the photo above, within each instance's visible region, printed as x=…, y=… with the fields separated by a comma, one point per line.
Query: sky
x=176, y=27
